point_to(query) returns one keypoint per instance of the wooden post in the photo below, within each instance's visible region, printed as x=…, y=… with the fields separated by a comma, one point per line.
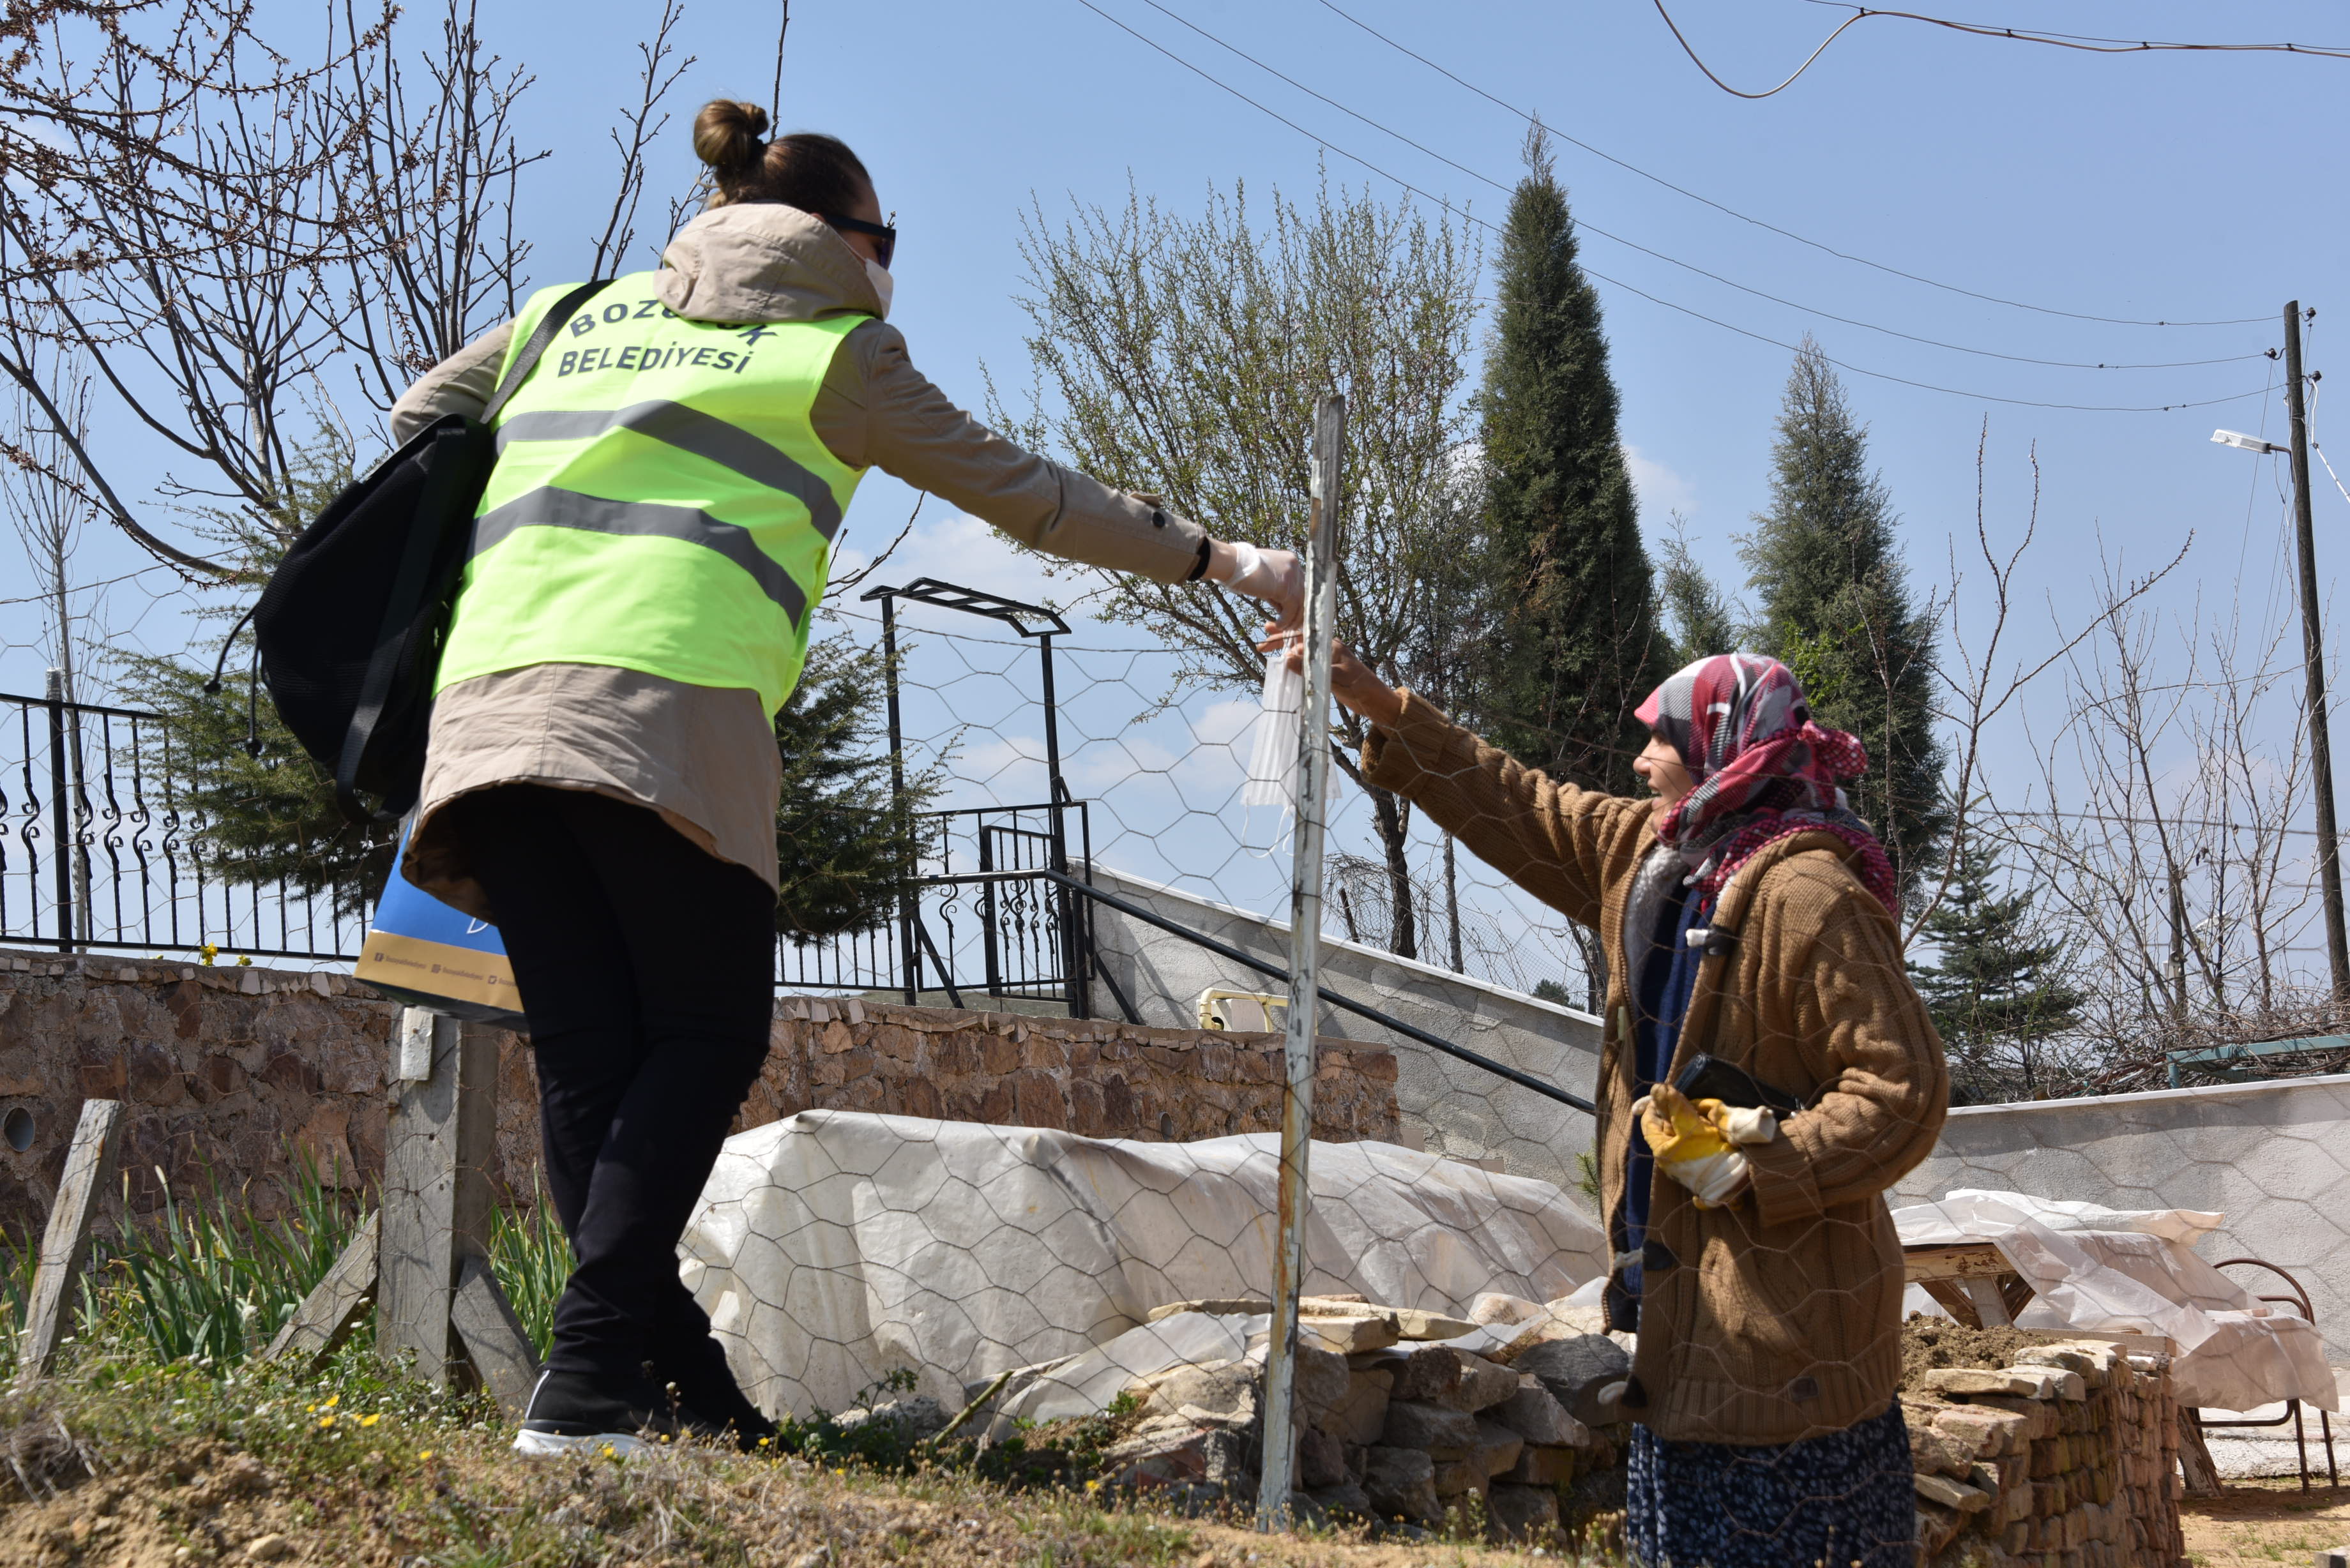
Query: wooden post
x=422, y=1259
x=437, y=1201
x=1305, y=962
x=504, y=1359
x=332, y=1309
x=65, y=1245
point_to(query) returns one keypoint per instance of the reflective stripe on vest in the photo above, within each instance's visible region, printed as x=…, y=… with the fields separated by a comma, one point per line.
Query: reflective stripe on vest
x=661, y=501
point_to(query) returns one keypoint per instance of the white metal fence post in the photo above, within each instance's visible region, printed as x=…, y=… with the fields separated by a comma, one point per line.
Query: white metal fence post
x=1304, y=952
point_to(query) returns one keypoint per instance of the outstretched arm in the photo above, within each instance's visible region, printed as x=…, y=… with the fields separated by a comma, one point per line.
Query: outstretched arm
x=1562, y=843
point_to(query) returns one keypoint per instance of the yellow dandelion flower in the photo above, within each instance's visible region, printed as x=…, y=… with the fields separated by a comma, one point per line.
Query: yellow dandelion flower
x=333, y=1400
x=424, y=1453
x=369, y=1420
x=324, y=1422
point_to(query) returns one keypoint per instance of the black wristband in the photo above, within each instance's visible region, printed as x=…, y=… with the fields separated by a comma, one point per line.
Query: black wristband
x=1200, y=567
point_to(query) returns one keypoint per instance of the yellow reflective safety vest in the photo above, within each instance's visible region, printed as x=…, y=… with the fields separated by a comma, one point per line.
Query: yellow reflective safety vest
x=660, y=500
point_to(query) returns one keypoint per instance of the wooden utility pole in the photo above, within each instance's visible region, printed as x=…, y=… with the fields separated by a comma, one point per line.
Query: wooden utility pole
x=2313, y=643
x=1304, y=961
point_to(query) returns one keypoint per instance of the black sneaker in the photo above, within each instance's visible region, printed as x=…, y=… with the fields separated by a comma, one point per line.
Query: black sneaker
x=570, y=1411
x=712, y=1403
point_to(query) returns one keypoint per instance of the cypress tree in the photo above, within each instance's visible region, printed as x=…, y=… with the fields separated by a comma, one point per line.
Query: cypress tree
x=1835, y=608
x=1578, y=643
x=1697, y=617
x=1996, y=981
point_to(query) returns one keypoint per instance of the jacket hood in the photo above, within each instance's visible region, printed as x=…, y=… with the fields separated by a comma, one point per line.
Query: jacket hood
x=763, y=261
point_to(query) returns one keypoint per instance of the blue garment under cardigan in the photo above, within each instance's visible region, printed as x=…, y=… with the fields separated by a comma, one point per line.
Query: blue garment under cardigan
x=1664, y=978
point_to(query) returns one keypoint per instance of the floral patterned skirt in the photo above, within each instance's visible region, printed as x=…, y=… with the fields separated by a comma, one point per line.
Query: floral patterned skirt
x=1843, y=1500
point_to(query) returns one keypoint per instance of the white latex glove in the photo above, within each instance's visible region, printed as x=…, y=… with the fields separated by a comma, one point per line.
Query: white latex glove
x=1276, y=576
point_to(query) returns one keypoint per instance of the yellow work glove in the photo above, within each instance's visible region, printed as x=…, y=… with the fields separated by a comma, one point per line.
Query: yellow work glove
x=1696, y=1143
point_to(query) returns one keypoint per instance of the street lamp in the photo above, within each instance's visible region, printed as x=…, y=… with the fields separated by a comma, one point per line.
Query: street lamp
x=2312, y=642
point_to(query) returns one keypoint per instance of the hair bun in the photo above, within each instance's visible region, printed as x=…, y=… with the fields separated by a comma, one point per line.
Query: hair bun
x=727, y=134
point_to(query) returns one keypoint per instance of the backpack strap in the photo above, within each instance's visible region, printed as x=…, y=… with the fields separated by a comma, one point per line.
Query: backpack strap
x=527, y=360
x=399, y=611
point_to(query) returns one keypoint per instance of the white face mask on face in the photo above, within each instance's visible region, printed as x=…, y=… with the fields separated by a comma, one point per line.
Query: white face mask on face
x=883, y=285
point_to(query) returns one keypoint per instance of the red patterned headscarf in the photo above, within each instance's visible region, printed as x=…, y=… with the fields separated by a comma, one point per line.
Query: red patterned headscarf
x=1761, y=770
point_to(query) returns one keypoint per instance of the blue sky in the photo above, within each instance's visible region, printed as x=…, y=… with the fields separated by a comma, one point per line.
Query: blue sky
x=2143, y=187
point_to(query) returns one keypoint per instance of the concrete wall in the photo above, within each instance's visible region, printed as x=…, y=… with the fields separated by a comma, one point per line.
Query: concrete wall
x=1459, y=1109
x=2275, y=1157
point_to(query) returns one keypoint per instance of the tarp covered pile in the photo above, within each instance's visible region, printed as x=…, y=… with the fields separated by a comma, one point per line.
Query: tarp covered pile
x=2113, y=1272
x=833, y=1247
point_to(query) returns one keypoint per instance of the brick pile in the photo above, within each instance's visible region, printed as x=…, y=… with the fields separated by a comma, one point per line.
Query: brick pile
x=1390, y=1426
x=2068, y=1459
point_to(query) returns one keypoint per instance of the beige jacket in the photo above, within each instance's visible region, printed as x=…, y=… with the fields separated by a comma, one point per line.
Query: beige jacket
x=705, y=758
x=1778, y=1317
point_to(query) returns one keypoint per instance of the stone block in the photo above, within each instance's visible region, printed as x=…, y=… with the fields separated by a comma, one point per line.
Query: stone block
x=1318, y=1385
x=1401, y=1483
x=1412, y=1425
x=1539, y=1466
x=1936, y=1527
x=1349, y=1335
x=1413, y=1323
x=2040, y=1419
x=1522, y=1513
x=1456, y=1479
x=1961, y=1382
x=1497, y=1447
x=1536, y=1415
x=1321, y=1461
x=1578, y=1371
x=1955, y=1495
x=1224, y=1392
x=1937, y=1452
x=1983, y=1432
x=1439, y=1374
x=1362, y=1415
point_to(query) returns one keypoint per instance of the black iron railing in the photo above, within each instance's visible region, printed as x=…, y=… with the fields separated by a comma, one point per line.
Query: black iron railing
x=103, y=847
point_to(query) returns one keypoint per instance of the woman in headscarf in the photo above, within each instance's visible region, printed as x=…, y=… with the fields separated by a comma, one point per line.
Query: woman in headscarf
x=1749, y=917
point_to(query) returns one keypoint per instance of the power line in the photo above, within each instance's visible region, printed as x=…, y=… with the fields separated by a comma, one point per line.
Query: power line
x=1472, y=218
x=1588, y=225
x=1344, y=15
x=2090, y=45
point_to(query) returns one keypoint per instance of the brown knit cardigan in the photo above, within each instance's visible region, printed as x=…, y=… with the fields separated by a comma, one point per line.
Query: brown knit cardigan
x=1778, y=1317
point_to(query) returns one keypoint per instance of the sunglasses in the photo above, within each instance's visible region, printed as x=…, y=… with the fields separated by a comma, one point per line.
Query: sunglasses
x=885, y=237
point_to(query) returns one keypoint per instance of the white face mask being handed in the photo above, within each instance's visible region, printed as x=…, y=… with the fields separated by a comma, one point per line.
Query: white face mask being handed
x=883, y=285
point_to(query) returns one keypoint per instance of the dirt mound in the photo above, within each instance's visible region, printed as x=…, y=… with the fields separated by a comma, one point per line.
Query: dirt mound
x=1928, y=1343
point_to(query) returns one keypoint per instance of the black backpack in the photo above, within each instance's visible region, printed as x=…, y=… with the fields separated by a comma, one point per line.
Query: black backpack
x=349, y=629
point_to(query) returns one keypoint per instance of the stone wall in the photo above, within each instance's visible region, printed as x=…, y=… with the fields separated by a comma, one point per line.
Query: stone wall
x=227, y=1069
x=2068, y=1459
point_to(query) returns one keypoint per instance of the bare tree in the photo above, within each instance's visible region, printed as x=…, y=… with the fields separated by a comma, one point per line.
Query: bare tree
x=1978, y=685
x=1182, y=357
x=2164, y=826
x=639, y=126
x=432, y=172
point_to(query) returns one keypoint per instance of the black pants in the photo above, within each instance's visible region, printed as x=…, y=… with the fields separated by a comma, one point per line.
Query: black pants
x=645, y=965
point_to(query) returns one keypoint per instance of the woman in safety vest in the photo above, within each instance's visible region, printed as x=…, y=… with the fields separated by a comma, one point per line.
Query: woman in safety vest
x=603, y=777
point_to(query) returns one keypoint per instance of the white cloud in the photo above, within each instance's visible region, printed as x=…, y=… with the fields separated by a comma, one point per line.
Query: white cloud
x=1660, y=488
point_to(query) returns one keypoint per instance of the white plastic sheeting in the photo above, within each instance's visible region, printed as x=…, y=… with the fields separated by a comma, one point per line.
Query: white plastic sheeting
x=2102, y=1271
x=832, y=1247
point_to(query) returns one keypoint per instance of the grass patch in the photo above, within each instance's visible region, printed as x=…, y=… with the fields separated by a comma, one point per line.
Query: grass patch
x=164, y=1441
